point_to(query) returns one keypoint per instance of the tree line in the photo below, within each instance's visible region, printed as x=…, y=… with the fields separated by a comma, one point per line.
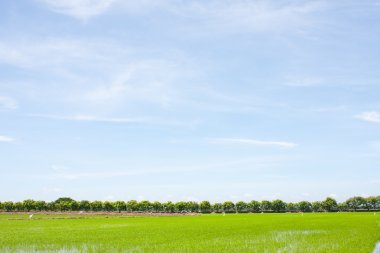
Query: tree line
x=276, y=206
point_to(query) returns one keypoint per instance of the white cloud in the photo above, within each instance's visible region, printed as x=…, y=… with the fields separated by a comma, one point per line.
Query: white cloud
x=7, y=103
x=216, y=16
x=280, y=144
x=4, y=138
x=371, y=116
x=82, y=9
x=123, y=75
x=149, y=81
x=303, y=81
x=50, y=52
x=90, y=118
x=121, y=120
x=86, y=9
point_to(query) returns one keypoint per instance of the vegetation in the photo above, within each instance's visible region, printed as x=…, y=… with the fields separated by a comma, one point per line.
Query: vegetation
x=276, y=206
x=286, y=232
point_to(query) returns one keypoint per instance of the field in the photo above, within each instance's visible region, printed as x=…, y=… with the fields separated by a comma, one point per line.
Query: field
x=312, y=232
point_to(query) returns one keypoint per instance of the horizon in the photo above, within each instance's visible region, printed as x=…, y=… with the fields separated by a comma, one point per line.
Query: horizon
x=189, y=101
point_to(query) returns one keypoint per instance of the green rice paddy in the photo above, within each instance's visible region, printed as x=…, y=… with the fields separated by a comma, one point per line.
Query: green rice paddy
x=311, y=232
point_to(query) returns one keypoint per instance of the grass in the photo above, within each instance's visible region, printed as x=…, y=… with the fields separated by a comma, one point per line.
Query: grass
x=320, y=232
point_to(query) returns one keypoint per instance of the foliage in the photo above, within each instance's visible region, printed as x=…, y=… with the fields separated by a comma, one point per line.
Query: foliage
x=68, y=204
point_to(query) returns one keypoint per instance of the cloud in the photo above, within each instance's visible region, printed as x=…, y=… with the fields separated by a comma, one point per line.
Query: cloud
x=148, y=80
x=62, y=172
x=280, y=144
x=303, y=81
x=89, y=118
x=118, y=120
x=253, y=15
x=34, y=52
x=7, y=103
x=82, y=9
x=4, y=138
x=86, y=9
x=371, y=116
x=216, y=15
x=123, y=75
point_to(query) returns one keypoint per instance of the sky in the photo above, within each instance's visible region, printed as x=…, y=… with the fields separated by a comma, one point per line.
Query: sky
x=191, y=100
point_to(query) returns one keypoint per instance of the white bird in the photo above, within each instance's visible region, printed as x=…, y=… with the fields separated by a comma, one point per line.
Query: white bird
x=30, y=216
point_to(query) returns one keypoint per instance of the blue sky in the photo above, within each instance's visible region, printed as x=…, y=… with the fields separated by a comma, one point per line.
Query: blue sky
x=189, y=100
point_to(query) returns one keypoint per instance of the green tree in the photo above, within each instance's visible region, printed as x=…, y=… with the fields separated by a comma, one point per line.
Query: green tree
x=18, y=206
x=356, y=203
x=120, y=206
x=132, y=206
x=8, y=206
x=293, y=207
x=157, y=206
x=168, y=207
x=278, y=206
x=180, y=207
x=40, y=205
x=205, y=207
x=217, y=208
x=254, y=206
x=84, y=205
x=29, y=205
x=342, y=207
x=229, y=207
x=242, y=207
x=330, y=205
x=144, y=206
x=193, y=206
x=317, y=206
x=266, y=206
x=108, y=206
x=305, y=206
x=96, y=206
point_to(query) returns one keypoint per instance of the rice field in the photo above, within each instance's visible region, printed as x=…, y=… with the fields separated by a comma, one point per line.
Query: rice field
x=311, y=232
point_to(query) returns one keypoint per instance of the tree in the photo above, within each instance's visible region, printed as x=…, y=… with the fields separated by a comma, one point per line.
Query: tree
x=242, y=207
x=305, y=206
x=342, y=207
x=120, y=206
x=96, y=206
x=317, y=206
x=229, y=207
x=168, y=207
x=370, y=203
x=193, y=206
x=29, y=205
x=293, y=207
x=64, y=199
x=217, y=208
x=180, y=207
x=84, y=205
x=40, y=205
x=18, y=206
x=8, y=206
x=205, y=207
x=144, y=206
x=330, y=204
x=278, y=206
x=254, y=206
x=157, y=206
x=108, y=206
x=266, y=206
x=132, y=206
x=356, y=203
